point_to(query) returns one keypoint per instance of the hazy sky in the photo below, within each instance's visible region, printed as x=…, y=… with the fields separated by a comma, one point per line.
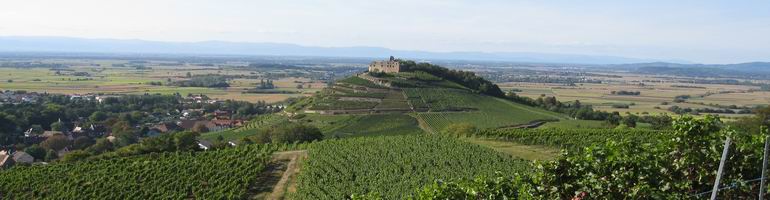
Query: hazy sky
x=699, y=31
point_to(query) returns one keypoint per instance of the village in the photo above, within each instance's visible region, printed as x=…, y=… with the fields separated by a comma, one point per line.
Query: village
x=194, y=113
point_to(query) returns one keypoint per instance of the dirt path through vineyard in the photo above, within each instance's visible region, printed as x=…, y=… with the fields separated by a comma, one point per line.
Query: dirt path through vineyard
x=289, y=162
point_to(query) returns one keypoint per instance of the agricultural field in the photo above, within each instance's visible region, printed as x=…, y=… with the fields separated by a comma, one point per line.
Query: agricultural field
x=482, y=111
x=393, y=167
x=100, y=76
x=656, y=94
x=223, y=174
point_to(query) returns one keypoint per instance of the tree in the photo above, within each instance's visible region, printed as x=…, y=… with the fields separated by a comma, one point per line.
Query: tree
x=200, y=128
x=56, y=142
x=51, y=155
x=630, y=121
x=82, y=142
x=287, y=133
x=76, y=155
x=36, y=151
x=98, y=116
x=101, y=146
x=125, y=138
x=37, y=129
x=122, y=126
x=186, y=141
x=57, y=126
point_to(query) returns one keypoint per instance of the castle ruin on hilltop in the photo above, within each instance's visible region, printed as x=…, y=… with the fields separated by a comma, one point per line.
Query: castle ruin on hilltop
x=387, y=66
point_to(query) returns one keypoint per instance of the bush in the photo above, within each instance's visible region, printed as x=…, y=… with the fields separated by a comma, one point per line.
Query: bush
x=76, y=155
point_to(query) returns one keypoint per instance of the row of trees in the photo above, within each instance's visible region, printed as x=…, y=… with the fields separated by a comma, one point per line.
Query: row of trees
x=212, y=81
x=464, y=78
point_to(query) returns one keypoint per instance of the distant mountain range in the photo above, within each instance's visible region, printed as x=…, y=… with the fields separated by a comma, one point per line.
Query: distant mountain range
x=80, y=45
x=755, y=70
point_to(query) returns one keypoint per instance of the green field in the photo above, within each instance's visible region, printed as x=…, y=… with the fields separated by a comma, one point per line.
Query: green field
x=128, y=80
x=394, y=166
x=483, y=111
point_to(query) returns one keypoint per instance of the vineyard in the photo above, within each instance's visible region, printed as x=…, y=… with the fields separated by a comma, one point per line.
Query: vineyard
x=363, y=125
x=387, y=124
x=442, y=99
x=483, y=111
x=222, y=174
x=571, y=138
x=394, y=166
x=354, y=80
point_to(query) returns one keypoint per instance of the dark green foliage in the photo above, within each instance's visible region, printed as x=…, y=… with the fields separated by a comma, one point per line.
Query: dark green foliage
x=36, y=151
x=76, y=155
x=464, y=78
x=182, y=141
x=287, y=133
x=82, y=142
x=575, y=109
x=212, y=81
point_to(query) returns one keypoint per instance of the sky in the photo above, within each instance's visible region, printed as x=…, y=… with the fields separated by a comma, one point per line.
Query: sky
x=701, y=31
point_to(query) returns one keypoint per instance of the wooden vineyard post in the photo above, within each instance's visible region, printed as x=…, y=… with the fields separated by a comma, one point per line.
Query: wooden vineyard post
x=721, y=167
x=764, y=169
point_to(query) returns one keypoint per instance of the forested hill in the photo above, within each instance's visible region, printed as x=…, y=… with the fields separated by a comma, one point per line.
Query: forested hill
x=464, y=78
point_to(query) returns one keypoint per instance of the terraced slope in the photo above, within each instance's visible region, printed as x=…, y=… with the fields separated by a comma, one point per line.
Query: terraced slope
x=448, y=106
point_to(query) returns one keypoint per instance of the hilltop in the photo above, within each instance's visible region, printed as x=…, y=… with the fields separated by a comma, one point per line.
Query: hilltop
x=433, y=95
